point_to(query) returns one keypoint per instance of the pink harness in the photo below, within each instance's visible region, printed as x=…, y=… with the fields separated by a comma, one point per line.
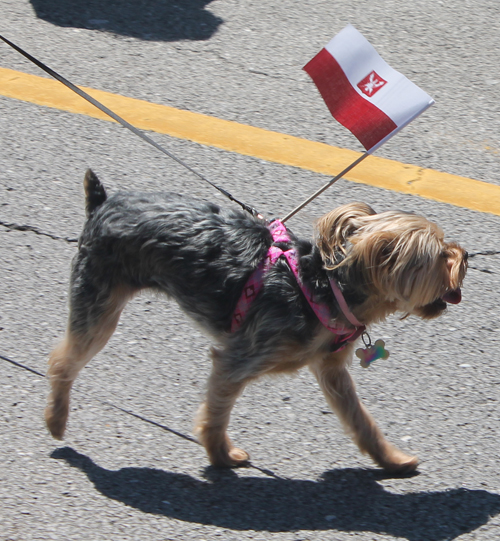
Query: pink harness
x=254, y=284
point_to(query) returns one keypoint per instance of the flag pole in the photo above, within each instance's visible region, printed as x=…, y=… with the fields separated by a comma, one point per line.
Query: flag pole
x=355, y=162
x=327, y=185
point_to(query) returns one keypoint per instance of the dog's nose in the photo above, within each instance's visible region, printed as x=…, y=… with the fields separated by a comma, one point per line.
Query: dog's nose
x=466, y=256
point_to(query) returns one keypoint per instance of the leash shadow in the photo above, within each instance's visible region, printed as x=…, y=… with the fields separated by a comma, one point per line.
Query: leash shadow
x=348, y=500
x=158, y=20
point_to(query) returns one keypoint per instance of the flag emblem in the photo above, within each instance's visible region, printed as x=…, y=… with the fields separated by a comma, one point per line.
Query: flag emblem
x=371, y=84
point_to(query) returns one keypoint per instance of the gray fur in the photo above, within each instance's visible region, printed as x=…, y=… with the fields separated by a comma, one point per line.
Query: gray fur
x=201, y=256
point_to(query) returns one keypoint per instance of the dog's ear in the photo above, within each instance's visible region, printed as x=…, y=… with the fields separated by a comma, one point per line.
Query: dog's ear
x=403, y=263
x=334, y=229
x=374, y=255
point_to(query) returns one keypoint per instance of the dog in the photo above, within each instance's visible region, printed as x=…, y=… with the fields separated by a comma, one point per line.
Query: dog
x=204, y=256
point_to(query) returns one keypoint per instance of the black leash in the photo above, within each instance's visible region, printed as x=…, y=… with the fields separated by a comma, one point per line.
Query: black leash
x=127, y=125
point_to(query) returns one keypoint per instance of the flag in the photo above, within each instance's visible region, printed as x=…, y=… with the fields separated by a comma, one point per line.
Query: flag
x=366, y=95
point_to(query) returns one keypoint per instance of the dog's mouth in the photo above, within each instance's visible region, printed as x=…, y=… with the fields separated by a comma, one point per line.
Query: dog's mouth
x=437, y=307
x=453, y=297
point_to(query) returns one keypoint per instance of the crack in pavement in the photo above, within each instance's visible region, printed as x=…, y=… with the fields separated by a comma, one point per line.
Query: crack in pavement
x=486, y=253
x=241, y=67
x=483, y=270
x=489, y=252
x=19, y=227
x=420, y=172
x=23, y=227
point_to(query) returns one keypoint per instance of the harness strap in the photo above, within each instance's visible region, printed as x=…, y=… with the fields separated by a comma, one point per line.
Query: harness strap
x=255, y=282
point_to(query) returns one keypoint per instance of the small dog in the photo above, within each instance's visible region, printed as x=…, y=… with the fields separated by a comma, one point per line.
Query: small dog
x=202, y=256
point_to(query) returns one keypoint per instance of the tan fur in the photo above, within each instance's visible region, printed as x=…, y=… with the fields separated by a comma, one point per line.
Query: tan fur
x=406, y=262
x=213, y=419
x=72, y=354
x=338, y=387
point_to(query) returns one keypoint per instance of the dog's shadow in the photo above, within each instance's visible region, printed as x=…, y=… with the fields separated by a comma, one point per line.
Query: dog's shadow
x=161, y=20
x=346, y=499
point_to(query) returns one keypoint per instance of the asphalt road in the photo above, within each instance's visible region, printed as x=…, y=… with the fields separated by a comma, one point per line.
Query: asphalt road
x=127, y=469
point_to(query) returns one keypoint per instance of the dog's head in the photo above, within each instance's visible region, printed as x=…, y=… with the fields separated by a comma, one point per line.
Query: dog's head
x=399, y=260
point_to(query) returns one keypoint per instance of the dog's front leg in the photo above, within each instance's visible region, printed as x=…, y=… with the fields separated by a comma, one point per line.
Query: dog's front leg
x=340, y=392
x=213, y=417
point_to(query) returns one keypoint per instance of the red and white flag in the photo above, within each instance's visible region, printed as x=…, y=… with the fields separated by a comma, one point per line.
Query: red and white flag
x=363, y=92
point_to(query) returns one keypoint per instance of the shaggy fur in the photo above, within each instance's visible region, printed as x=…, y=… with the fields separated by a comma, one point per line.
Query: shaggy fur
x=201, y=256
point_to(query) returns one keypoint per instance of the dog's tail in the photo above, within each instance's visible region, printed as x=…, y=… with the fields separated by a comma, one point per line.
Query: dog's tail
x=95, y=194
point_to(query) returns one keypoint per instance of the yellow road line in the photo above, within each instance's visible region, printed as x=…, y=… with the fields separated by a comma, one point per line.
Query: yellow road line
x=263, y=144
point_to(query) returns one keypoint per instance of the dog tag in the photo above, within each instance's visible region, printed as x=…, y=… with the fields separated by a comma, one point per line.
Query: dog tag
x=371, y=353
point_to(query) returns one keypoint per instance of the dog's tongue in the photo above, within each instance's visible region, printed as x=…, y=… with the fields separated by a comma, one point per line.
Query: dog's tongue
x=453, y=297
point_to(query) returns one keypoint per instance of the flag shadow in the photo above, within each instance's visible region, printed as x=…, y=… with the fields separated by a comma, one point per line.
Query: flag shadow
x=157, y=20
x=348, y=500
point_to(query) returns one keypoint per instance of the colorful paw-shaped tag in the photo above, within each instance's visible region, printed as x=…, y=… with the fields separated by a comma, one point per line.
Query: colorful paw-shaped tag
x=371, y=353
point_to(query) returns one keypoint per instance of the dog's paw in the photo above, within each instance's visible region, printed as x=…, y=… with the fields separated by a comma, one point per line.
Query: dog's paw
x=56, y=416
x=238, y=457
x=399, y=463
x=55, y=424
x=227, y=456
x=231, y=458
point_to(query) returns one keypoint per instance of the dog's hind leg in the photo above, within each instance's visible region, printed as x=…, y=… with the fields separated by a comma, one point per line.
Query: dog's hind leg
x=91, y=324
x=213, y=416
x=340, y=392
